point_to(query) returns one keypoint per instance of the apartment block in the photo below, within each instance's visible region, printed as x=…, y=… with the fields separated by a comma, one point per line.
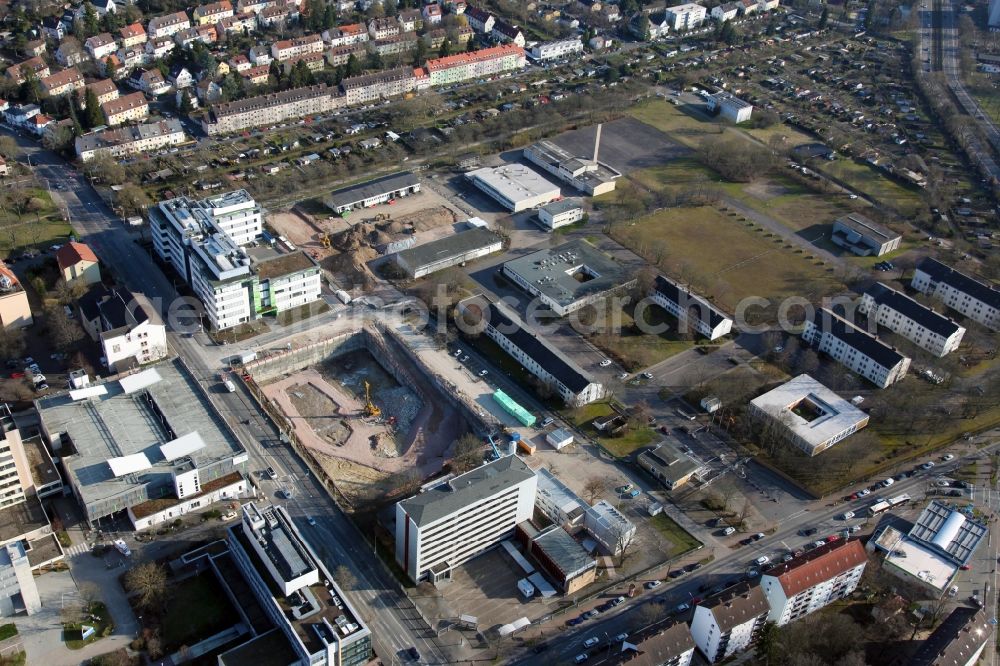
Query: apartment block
x=536, y=354
x=127, y=326
x=378, y=85
x=289, y=48
x=480, y=20
x=204, y=241
x=132, y=35
x=101, y=46
x=345, y=35
x=690, y=309
x=271, y=109
x=478, y=64
x=857, y=350
x=971, y=298
x=212, y=13
x=917, y=323
x=557, y=49
x=296, y=591
x=687, y=16
x=448, y=524
x=166, y=26
x=813, y=580
x=730, y=622
x=380, y=28
x=126, y=108
x=62, y=83
x=132, y=140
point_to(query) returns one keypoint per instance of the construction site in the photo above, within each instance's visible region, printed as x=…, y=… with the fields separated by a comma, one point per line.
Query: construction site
x=365, y=409
x=344, y=246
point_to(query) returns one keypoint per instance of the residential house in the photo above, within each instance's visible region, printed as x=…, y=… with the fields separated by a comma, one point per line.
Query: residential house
x=105, y=90
x=21, y=115
x=132, y=35
x=257, y=76
x=35, y=47
x=253, y=6
x=127, y=325
x=212, y=13
x=959, y=640
x=36, y=66
x=813, y=580
x=62, y=82
x=480, y=20
x=179, y=77
x=208, y=91
x=456, y=7
x=103, y=7
x=290, y=48
x=37, y=124
x=508, y=34
x=749, y=6
x=241, y=24
x=432, y=14
x=112, y=63
x=410, y=20
x=726, y=11
x=611, y=13
x=274, y=16
x=125, y=108
x=972, y=298
x=53, y=28
x=70, y=53
x=160, y=47
x=167, y=26
x=132, y=58
x=239, y=63
x=205, y=34
x=149, y=81
x=260, y=55
x=380, y=28
x=4, y=169
x=101, y=46
x=78, y=262
x=730, y=622
x=354, y=33
x=313, y=62
x=340, y=55
x=403, y=43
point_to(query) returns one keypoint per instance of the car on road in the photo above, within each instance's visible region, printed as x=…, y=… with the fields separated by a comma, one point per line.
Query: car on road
x=676, y=573
x=623, y=375
x=582, y=657
x=746, y=542
x=591, y=642
x=864, y=492
x=758, y=536
x=809, y=531
x=647, y=375
x=312, y=521
x=762, y=560
x=538, y=649
x=464, y=358
x=483, y=373
x=953, y=591
x=620, y=637
x=271, y=474
x=927, y=465
x=546, y=421
x=682, y=607
x=624, y=489
x=947, y=457
x=635, y=492
x=848, y=515
x=605, y=363
x=458, y=352
x=617, y=601
x=653, y=584
x=285, y=493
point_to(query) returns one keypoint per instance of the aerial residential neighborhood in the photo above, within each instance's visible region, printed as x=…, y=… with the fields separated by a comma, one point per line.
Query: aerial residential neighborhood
x=391, y=332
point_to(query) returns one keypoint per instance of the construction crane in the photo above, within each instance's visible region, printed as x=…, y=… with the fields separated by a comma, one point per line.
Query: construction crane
x=371, y=409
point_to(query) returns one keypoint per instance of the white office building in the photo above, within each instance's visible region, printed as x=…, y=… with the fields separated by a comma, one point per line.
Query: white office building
x=448, y=524
x=560, y=213
x=857, y=350
x=972, y=298
x=915, y=322
x=542, y=359
x=730, y=107
x=691, y=309
x=730, y=622
x=515, y=186
x=813, y=580
x=557, y=49
x=687, y=16
x=609, y=527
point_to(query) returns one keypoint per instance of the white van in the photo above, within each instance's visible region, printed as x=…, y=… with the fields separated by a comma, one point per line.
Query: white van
x=230, y=386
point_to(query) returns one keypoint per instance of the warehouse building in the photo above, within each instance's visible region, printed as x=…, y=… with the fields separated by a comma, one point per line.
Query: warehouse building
x=560, y=213
x=863, y=237
x=515, y=186
x=691, y=309
x=856, y=349
x=373, y=192
x=808, y=414
x=589, y=176
x=917, y=323
x=976, y=300
x=729, y=106
x=568, y=277
x=449, y=251
x=575, y=386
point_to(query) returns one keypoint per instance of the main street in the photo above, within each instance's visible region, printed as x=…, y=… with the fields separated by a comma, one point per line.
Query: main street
x=394, y=621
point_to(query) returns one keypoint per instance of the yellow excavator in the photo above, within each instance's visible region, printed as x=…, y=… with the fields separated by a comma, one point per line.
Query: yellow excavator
x=325, y=240
x=371, y=409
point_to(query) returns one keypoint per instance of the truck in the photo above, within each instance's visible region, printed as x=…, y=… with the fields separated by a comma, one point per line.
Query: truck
x=344, y=297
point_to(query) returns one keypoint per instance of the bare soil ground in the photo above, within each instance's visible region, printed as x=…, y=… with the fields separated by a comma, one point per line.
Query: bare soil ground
x=764, y=190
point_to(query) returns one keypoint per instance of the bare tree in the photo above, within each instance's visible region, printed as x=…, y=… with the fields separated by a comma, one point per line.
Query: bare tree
x=624, y=541
x=90, y=593
x=148, y=582
x=594, y=487
x=648, y=613
x=468, y=453
x=744, y=512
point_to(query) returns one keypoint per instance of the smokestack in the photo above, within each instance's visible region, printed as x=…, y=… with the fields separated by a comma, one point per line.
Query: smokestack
x=597, y=142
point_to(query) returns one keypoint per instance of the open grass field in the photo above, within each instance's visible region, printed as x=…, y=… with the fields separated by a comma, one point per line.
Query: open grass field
x=634, y=349
x=681, y=127
x=680, y=539
x=726, y=260
x=870, y=181
x=634, y=439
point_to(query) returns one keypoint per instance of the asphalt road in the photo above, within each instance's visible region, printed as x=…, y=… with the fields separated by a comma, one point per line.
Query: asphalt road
x=392, y=618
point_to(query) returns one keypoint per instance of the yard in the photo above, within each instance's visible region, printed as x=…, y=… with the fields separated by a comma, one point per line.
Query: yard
x=636, y=350
x=98, y=617
x=726, y=260
x=680, y=539
x=632, y=440
x=29, y=218
x=871, y=181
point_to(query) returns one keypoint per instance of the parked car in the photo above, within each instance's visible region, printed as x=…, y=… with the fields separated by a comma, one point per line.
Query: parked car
x=591, y=642
x=728, y=531
x=606, y=362
x=758, y=536
x=848, y=515
x=676, y=573
x=620, y=637
x=948, y=457
x=653, y=584
x=682, y=607
x=582, y=657
x=694, y=566
x=623, y=489
x=762, y=560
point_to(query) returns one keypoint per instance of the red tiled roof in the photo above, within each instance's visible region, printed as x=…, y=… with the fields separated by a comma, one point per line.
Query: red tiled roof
x=133, y=30
x=818, y=565
x=73, y=253
x=476, y=56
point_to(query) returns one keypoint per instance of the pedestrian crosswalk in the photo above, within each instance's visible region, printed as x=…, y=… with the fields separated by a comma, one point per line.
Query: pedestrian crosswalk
x=76, y=549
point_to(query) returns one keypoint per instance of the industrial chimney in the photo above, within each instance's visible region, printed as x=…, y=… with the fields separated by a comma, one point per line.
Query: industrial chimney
x=597, y=142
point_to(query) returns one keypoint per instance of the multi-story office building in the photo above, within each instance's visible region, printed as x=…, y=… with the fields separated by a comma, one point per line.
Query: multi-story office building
x=165, y=26
x=289, y=48
x=811, y=581
x=539, y=357
x=296, y=590
x=857, y=350
x=556, y=49
x=685, y=17
x=690, y=309
x=448, y=524
x=729, y=622
x=130, y=140
x=972, y=298
x=378, y=85
x=271, y=109
x=917, y=323
x=202, y=241
x=125, y=108
x=475, y=65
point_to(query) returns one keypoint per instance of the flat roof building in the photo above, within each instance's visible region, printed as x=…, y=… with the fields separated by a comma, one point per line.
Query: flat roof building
x=573, y=384
x=863, y=237
x=958, y=641
x=121, y=441
x=560, y=213
x=669, y=465
x=560, y=556
x=587, y=175
x=514, y=186
x=559, y=504
x=916, y=322
x=451, y=250
x=373, y=192
x=975, y=299
x=608, y=526
x=448, y=524
x=690, y=309
x=296, y=590
x=811, y=416
x=730, y=107
x=855, y=349
x=568, y=277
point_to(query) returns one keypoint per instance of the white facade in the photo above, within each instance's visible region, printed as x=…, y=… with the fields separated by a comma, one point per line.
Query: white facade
x=730, y=107
x=18, y=593
x=789, y=601
x=515, y=187
x=725, y=12
x=145, y=343
x=234, y=491
x=560, y=214
x=449, y=524
x=972, y=298
x=682, y=303
x=729, y=624
x=855, y=349
x=918, y=324
x=557, y=49
x=685, y=17
x=609, y=527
